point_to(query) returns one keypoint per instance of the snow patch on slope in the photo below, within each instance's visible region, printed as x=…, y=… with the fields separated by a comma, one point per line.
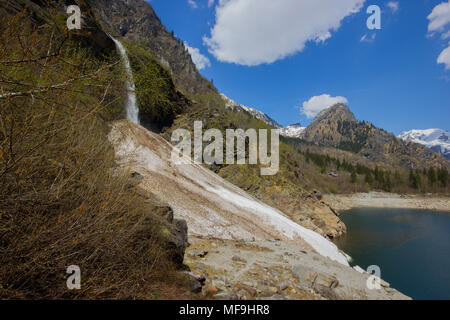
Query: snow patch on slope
x=211, y=205
x=293, y=131
x=286, y=226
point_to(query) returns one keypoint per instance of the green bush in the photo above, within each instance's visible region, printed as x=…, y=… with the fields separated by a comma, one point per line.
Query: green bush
x=159, y=101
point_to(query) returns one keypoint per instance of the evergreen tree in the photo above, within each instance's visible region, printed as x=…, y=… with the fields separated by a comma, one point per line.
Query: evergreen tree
x=397, y=177
x=354, y=177
x=369, y=178
x=387, y=184
x=443, y=177
x=432, y=178
x=414, y=179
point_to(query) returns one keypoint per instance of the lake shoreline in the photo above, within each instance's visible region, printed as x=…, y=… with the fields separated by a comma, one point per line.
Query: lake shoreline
x=343, y=202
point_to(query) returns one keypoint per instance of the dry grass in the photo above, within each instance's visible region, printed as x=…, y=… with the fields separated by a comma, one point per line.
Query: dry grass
x=61, y=201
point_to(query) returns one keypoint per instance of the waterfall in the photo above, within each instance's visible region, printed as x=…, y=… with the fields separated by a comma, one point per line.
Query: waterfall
x=132, y=108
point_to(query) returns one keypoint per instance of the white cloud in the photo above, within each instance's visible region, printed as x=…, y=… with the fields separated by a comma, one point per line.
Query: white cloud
x=193, y=4
x=446, y=35
x=393, y=5
x=210, y=3
x=253, y=32
x=318, y=103
x=439, y=22
x=444, y=58
x=439, y=17
x=199, y=59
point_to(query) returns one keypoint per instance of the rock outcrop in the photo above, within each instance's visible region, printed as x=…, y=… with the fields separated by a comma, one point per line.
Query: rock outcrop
x=91, y=36
x=137, y=22
x=174, y=231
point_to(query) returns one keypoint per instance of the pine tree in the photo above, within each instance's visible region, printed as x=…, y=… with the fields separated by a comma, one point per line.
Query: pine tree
x=397, y=177
x=443, y=177
x=432, y=176
x=369, y=178
x=354, y=177
x=387, y=184
x=414, y=179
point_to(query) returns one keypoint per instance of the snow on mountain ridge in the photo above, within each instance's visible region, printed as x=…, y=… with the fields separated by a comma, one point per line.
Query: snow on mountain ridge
x=437, y=140
x=293, y=131
x=231, y=104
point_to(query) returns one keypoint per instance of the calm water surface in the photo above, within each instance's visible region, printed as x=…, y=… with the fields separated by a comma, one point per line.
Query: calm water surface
x=412, y=248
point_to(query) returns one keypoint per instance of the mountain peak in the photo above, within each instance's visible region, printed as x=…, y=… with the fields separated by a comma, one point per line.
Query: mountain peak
x=336, y=112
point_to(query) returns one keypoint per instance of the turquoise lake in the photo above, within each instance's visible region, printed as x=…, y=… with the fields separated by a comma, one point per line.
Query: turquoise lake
x=412, y=248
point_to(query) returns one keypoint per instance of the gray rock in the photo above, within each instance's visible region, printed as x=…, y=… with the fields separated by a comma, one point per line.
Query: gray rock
x=327, y=292
x=178, y=241
x=134, y=180
x=195, y=283
x=239, y=259
x=198, y=254
x=284, y=285
x=175, y=235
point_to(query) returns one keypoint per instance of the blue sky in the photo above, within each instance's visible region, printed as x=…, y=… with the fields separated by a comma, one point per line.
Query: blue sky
x=391, y=78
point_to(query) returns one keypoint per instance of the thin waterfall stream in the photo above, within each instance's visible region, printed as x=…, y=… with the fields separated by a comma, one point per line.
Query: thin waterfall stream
x=132, y=109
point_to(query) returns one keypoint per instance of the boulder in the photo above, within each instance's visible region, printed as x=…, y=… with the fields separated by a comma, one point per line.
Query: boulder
x=195, y=284
x=178, y=241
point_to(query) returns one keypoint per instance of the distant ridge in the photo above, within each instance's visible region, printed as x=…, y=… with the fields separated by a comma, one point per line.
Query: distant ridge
x=437, y=140
x=338, y=127
x=293, y=131
x=231, y=104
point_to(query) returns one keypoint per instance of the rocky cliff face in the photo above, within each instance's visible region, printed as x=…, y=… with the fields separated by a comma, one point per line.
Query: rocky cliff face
x=91, y=36
x=137, y=22
x=337, y=127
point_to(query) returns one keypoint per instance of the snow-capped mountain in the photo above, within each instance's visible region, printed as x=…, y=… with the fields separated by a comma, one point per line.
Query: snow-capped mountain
x=437, y=140
x=230, y=104
x=293, y=131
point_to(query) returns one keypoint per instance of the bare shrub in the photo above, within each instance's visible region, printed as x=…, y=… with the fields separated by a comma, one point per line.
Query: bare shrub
x=61, y=201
